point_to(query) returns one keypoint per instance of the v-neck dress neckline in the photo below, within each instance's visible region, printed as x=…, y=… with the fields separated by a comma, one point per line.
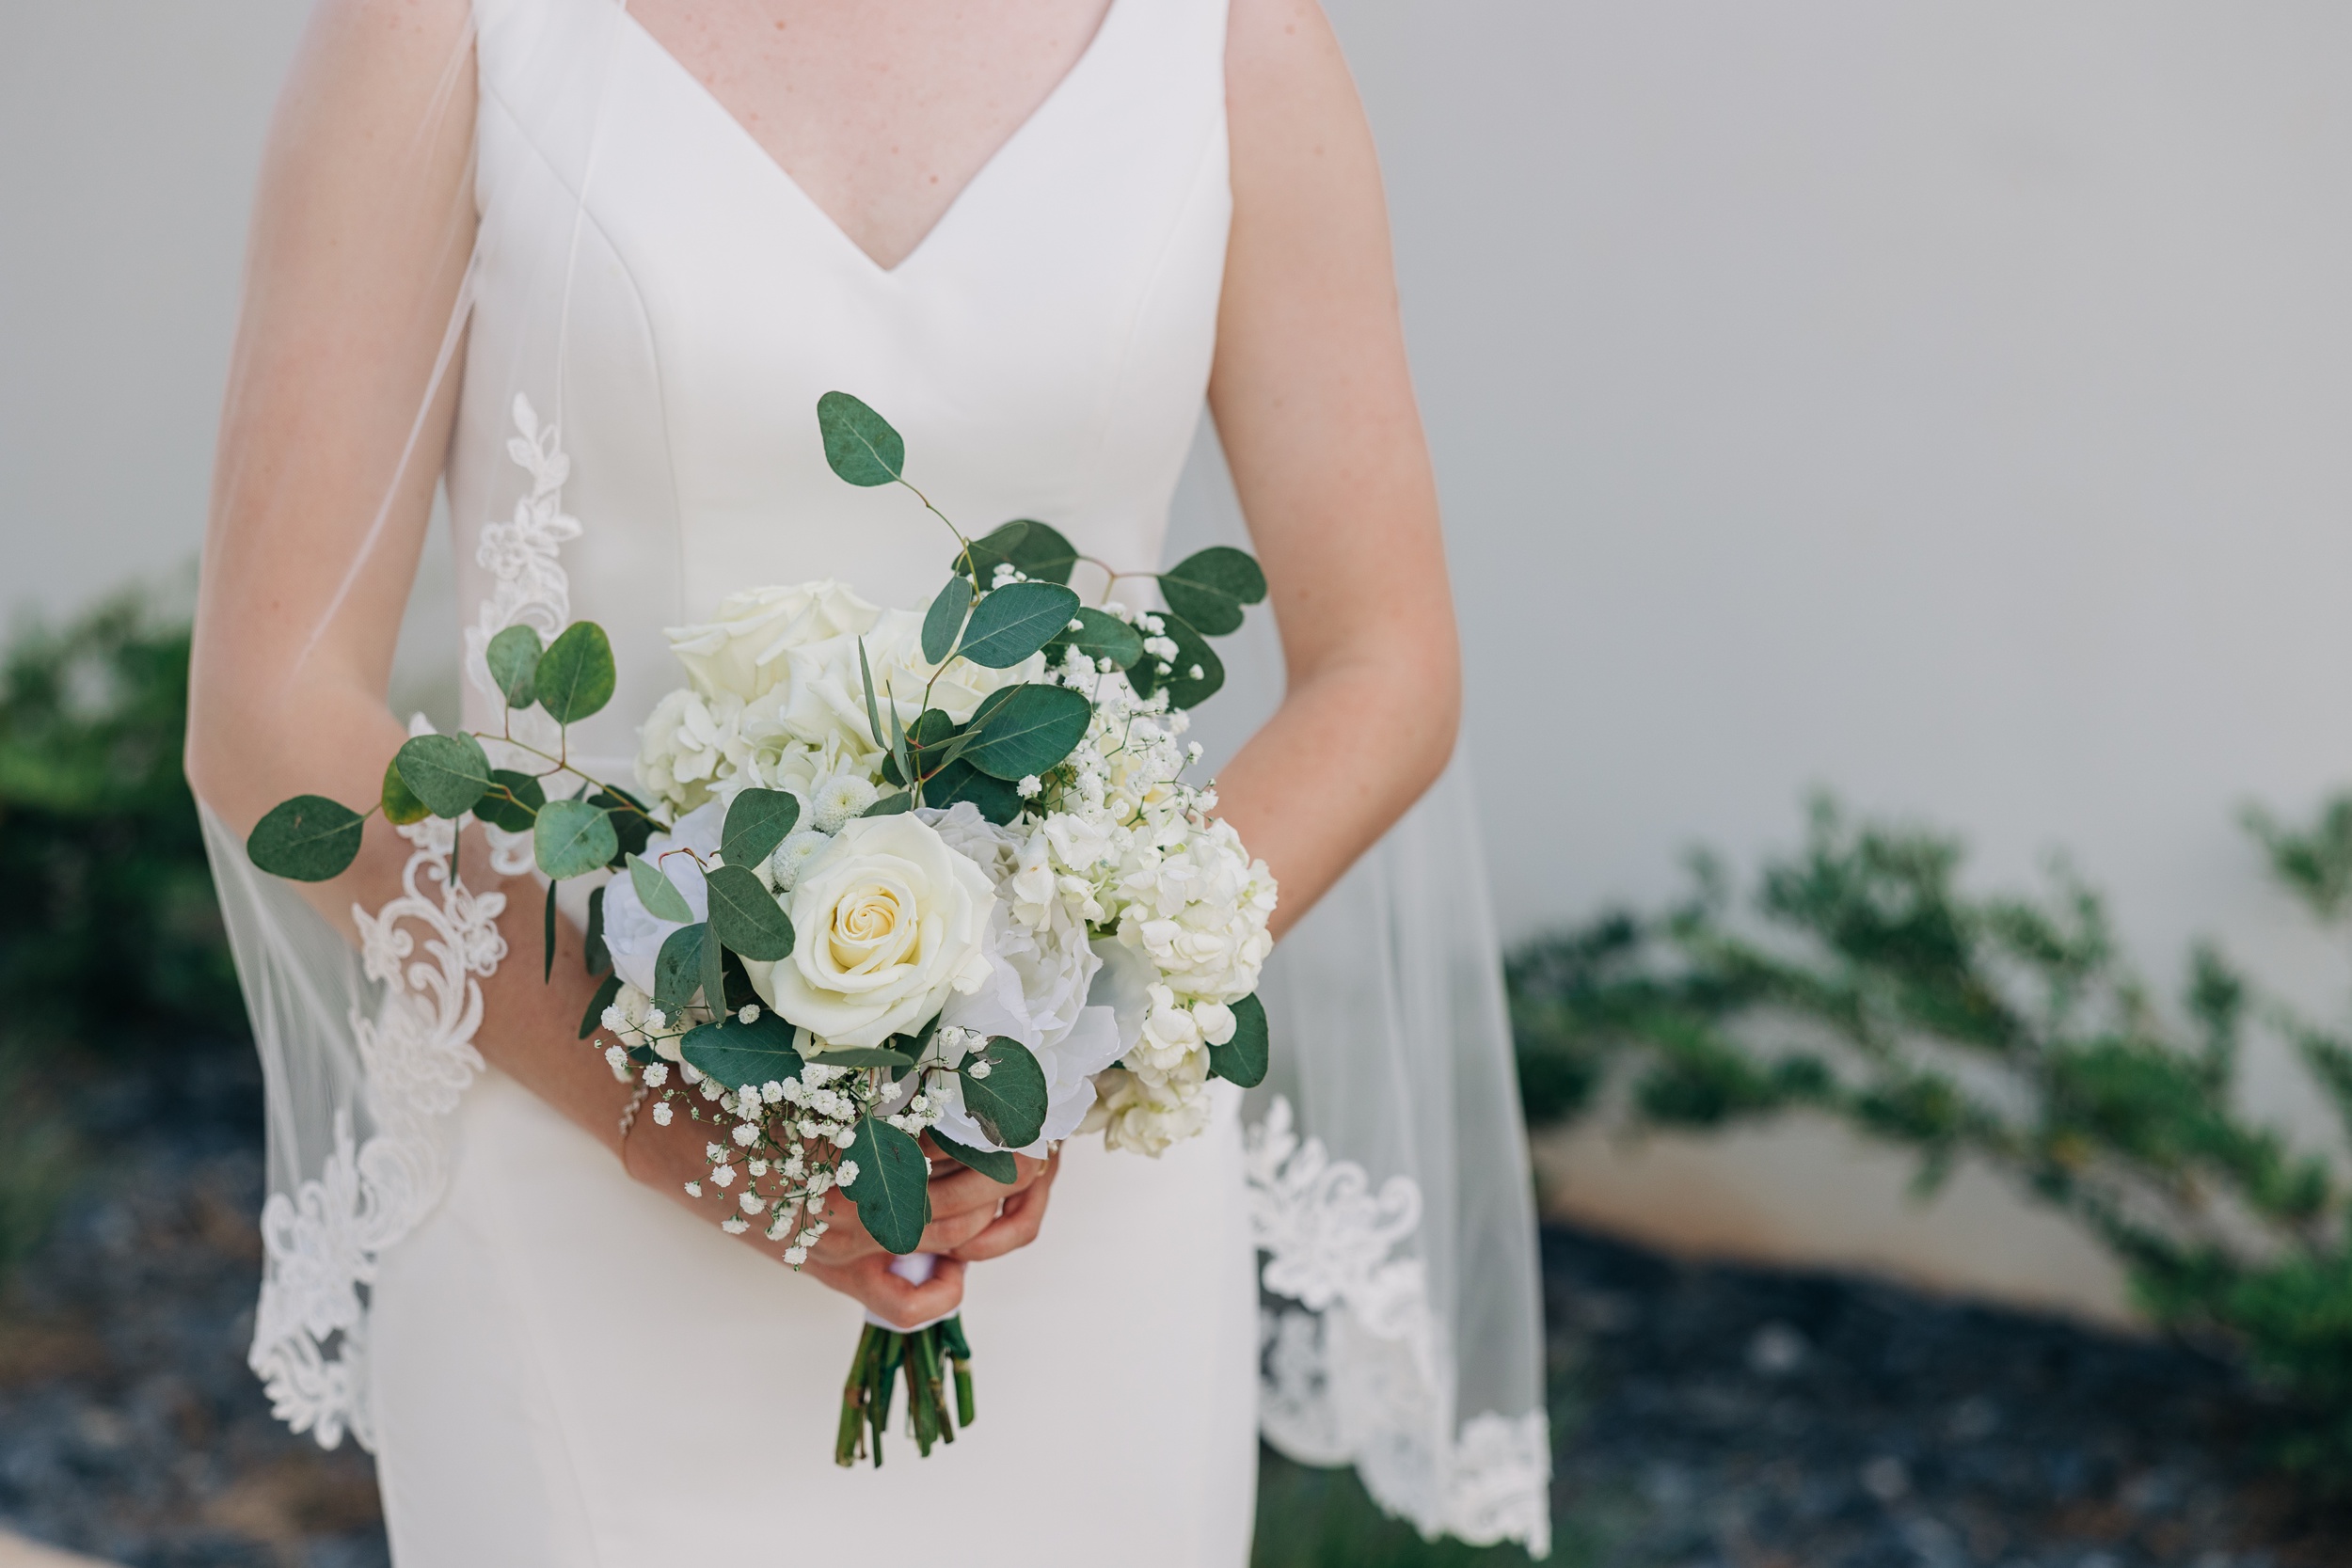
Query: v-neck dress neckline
x=1035, y=123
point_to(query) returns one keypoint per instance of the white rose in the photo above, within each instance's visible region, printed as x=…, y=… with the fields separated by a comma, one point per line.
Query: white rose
x=740, y=651
x=826, y=691
x=889, y=922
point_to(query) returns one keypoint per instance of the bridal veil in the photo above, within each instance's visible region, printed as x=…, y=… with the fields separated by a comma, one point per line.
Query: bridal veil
x=1388, y=1173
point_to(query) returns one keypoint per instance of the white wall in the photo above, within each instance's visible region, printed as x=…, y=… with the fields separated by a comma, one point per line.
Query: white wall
x=1950, y=403
x=130, y=134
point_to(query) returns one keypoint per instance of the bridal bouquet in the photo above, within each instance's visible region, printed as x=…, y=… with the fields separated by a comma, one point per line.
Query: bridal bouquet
x=888, y=877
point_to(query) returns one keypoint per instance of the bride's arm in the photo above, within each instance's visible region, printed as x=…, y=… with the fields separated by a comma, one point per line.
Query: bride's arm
x=1315, y=409
x=363, y=226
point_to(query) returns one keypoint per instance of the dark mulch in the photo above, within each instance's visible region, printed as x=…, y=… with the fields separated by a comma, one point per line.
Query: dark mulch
x=1709, y=1416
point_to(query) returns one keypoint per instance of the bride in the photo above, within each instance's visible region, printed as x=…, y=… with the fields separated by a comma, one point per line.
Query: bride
x=583, y=269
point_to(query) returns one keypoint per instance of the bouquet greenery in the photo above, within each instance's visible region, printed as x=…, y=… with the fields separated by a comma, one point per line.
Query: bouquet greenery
x=887, y=876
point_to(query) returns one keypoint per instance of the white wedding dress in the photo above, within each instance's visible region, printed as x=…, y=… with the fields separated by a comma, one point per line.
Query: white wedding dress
x=567, y=1369
x=556, y=1366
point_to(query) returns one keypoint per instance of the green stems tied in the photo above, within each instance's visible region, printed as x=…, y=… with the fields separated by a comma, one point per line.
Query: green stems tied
x=927, y=1361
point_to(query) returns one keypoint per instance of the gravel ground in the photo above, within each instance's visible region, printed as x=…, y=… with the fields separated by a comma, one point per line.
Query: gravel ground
x=1709, y=1416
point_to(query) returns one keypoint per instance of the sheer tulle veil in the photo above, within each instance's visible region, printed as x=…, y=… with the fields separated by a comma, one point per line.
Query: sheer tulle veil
x=1386, y=1170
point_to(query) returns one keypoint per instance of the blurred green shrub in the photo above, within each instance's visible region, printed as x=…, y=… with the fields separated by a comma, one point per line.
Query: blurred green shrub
x=1861, y=982
x=110, y=940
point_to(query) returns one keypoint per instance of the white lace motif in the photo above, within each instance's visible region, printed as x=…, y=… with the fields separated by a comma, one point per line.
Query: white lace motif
x=416, y=1056
x=1350, y=1374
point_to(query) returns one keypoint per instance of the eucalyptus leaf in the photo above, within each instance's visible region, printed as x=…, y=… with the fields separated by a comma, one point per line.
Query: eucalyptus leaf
x=744, y=1056
x=1243, y=1059
x=400, y=804
x=1024, y=730
x=893, y=1187
x=546, y=935
x=519, y=815
x=1209, y=587
x=945, y=618
x=757, y=821
x=1011, y=1102
x=714, y=971
x=632, y=824
x=1185, y=688
x=1099, y=635
x=994, y=1163
x=661, y=896
x=1010, y=623
x=745, y=915
x=307, y=839
x=593, y=1020
x=514, y=659
x=575, y=674
x=593, y=949
x=448, y=772
x=891, y=805
x=865, y=1056
x=572, y=838
x=996, y=798
x=678, y=970
x=859, y=443
x=1034, y=550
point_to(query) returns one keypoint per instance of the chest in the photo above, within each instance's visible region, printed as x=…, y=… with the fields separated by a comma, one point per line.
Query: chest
x=883, y=111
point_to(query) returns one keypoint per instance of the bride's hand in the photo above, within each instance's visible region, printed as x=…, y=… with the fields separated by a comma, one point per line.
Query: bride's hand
x=972, y=1217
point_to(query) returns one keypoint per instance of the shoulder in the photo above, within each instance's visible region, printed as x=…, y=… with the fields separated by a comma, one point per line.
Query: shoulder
x=1273, y=47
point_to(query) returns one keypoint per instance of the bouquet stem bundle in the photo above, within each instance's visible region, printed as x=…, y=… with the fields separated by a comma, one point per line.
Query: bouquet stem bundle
x=929, y=1359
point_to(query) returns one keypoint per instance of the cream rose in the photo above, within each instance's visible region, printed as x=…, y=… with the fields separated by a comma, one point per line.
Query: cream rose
x=827, y=690
x=889, y=922
x=740, y=652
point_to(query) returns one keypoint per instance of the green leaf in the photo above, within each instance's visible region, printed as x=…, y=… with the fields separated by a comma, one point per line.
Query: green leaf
x=1193, y=652
x=865, y=1056
x=632, y=824
x=519, y=814
x=1024, y=730
x=547, y=936
x=757, y=821
x=514, y=659
x=400, y=804
x=929, y=746
x=1032, y=549
x=1243, y=1059
x=575, y=674
x=744, y=1056
x=893, y=1187
x=714, y=970
x=945, y=618
x=307, y=839
x=746, y=916
x=859, y=443
x=996, y=798
x=994, y=1163
x=661, y=896
x=1015, y=621
x=1210, y=587
x=598, y=957
x=678, y=970
x=572, y=838
x=448, y=772
x=891, y=805
x=593, y=1020
x=1010, y=1103
x=1101, y=635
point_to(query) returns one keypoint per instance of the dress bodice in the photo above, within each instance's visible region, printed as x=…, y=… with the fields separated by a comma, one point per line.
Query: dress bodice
x=670, y=305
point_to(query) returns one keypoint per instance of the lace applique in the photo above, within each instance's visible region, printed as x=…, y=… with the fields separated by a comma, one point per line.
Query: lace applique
x=1348, y=1370
x=524, y=558
x=416, y=1056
